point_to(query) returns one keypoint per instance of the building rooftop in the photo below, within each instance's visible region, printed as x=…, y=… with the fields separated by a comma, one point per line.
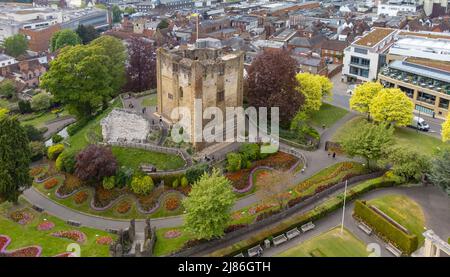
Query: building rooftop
x=374, y=37
x=441, y=65
x=432, y=35
x=421, y=70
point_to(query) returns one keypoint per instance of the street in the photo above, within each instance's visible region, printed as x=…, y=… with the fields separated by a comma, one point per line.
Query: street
x=341, y=99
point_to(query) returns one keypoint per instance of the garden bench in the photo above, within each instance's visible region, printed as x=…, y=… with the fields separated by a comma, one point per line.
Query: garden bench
x=394, y=250
x=279, y=239
x=255, y=251
x=366, y=229
x=292, y=233
x=307, y=227
x=240, y=255
x=37, y=208
x=113, y=231
x=73, y=223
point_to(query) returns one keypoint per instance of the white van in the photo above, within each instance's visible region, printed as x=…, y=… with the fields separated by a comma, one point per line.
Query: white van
x=420, y=124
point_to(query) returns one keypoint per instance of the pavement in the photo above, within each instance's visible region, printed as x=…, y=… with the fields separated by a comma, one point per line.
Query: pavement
x=56, y=126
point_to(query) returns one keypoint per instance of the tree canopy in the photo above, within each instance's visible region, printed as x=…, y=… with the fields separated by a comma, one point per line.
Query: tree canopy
x=41, y=101
x=446, y=129
x=363, y=96
x=63, y=38
x=314, y=88
x=439, y=172
x=87, y=33
x=406, y=163
x=7, y=88
x=94, y=163
x=15, y=45
x=116, y=14
x=392, y=106
x=15, y=155
x=141, y=66
x=209, y=205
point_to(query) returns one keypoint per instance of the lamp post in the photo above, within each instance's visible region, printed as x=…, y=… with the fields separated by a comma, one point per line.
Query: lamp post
x=343, y=208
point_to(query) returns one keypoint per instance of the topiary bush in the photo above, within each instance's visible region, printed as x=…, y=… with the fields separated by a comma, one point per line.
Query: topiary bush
x=66, y=161
x=142, y=184
x=54, y=151
x=251, y=151
x=57, y=138
x=184, y=182
x=175, y=183
x=109, y=182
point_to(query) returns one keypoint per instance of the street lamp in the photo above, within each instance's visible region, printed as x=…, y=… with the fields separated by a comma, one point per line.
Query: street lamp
x=343, y=208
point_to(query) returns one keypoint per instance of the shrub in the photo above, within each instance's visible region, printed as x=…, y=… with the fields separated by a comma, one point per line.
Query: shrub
x=33, y=133
x=24, y=107
x=41, y=101
x=109, y=182
x=57, y=138
x=123, y=207
x=66, y=161
x=184, y=182
x=123, y=177
x=234, y=162
x=51, y=183
x=406, y=242
x=195, y=172
x=250, y=151
x=80, y=197
x=54, y=151
x=142, y=184
x=175, y=183
x=71, y=183
x=37, y=150
x=94, y=163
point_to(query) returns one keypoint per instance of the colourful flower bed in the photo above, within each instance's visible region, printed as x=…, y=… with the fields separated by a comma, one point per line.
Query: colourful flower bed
x=71, y=183
x=80, y=197
x=35, y=171
x=123, y=207
x=279, y=161
x=45, y=226
x=30, y=251
x=4, y=241
x=22, y=217
x=171, y=234
x=172, y=203
x=74, y=235
x=104, y=240
x=103, y=197
x=51, y=183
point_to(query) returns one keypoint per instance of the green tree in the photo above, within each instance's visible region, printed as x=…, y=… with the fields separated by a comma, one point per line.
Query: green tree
x=8, y=88
x=163, y=24
x=87, y=33
x=439, y=171
x=33, y=134
x=142, y=184
x=15, y=45
x=363, y=96
x=234, y=161
x=392, y=106
x=63, y=38
x=446, y=129
x=116, y=51
x=109, y=182
x=15, y=156
x=314, y=88
x=250, y=151
x=116, y=14
x=208, y=206
x=406, y=163
x=41, y=101
x=129, y=10
x=80, y=78
x=367, y=141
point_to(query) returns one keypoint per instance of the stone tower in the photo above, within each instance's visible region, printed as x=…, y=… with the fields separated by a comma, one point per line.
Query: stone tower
x=205, y=71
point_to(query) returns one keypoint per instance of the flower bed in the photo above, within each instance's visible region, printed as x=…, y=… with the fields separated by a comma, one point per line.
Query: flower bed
x=104, y=240
x=239, y=179
x=123, y=207
x=4, y=242
x=64, y=255
x=35, y=171
x=45, y=226
x=103, y=197
x=71, y=184
x=74, y=235
x=172, y=203
x=22, y=217
x=30, y=251
x=171, y=234
x=80, y=197
x=149, y=203
x=278, y=161
x=50, y=183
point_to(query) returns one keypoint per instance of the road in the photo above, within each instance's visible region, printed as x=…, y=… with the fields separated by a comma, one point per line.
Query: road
x=341, y=99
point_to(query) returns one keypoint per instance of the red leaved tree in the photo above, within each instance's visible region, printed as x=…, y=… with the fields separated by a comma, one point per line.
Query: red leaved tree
x=141, y=67
x=271, y=83
x=94, y=163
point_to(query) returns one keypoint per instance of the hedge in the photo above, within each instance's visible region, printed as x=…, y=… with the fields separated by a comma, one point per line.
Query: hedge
x=408, y=243
x=318, y=212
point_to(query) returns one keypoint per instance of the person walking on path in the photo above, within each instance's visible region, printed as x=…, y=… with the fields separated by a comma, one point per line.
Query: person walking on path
x=334, y=155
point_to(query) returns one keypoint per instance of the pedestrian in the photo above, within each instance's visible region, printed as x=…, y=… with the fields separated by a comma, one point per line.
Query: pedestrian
x=334, y=155
x=153, y=122
x=143, y=110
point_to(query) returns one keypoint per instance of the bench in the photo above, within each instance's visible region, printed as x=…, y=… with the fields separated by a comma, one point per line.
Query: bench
x=366, y=229
x=73, y=223
x=113, y=231
x=240, y=255
x=255, y=251
x=292, y=233
x=37, y=208
x=279, y=239
x=307, y=227
x=394, y=250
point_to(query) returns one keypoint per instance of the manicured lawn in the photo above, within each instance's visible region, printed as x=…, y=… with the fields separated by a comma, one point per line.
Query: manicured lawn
x=329, y=244
x=149, y=100
x=404, y=210
x=39, y=121
x=132, y=157
x=165, y=246
x=328, y=115
x=403, y=136
x=28, y=235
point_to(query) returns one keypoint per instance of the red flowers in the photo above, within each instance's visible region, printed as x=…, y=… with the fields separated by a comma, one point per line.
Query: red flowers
x=172, y=234
x=45, y=226
x=172, y=203
x=80, y=197
x=74, y=235
x=105, y=240
x=22, y=217
x=51, y=183
x=123, y=207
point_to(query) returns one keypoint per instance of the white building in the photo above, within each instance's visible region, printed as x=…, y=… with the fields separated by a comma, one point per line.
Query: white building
x=392, y=7
x=366, y=55
x=6, y=60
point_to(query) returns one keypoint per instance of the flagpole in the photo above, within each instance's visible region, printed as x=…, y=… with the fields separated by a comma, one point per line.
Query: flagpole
x=343, y=208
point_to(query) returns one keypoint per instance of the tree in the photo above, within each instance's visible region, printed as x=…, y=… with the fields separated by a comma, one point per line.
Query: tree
x=208, y=206
x=3, y=112
x=234, y=162
x=117, y=14
x=129, y=10
x=37, y=149
x=80, y=78
x=33, y=134
x=446, y=129
x=250, y=151
x=271, y=79
x=41, y=101
x=87, y=33
x=141, y=66
x=313, y=88
x=163, y=24
x=8, y=88
x=273, y=186
x=15, y=45
x=15, y=155
x=408, y=164
x=115, y=50
x=63, y=38
x=109, y=182
x=392, y=106
x=367, y=141
x=363, y=96
x=142, y=184
x=24, y=106
x=95, y=163
x=195, y=172
x=439, y=171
